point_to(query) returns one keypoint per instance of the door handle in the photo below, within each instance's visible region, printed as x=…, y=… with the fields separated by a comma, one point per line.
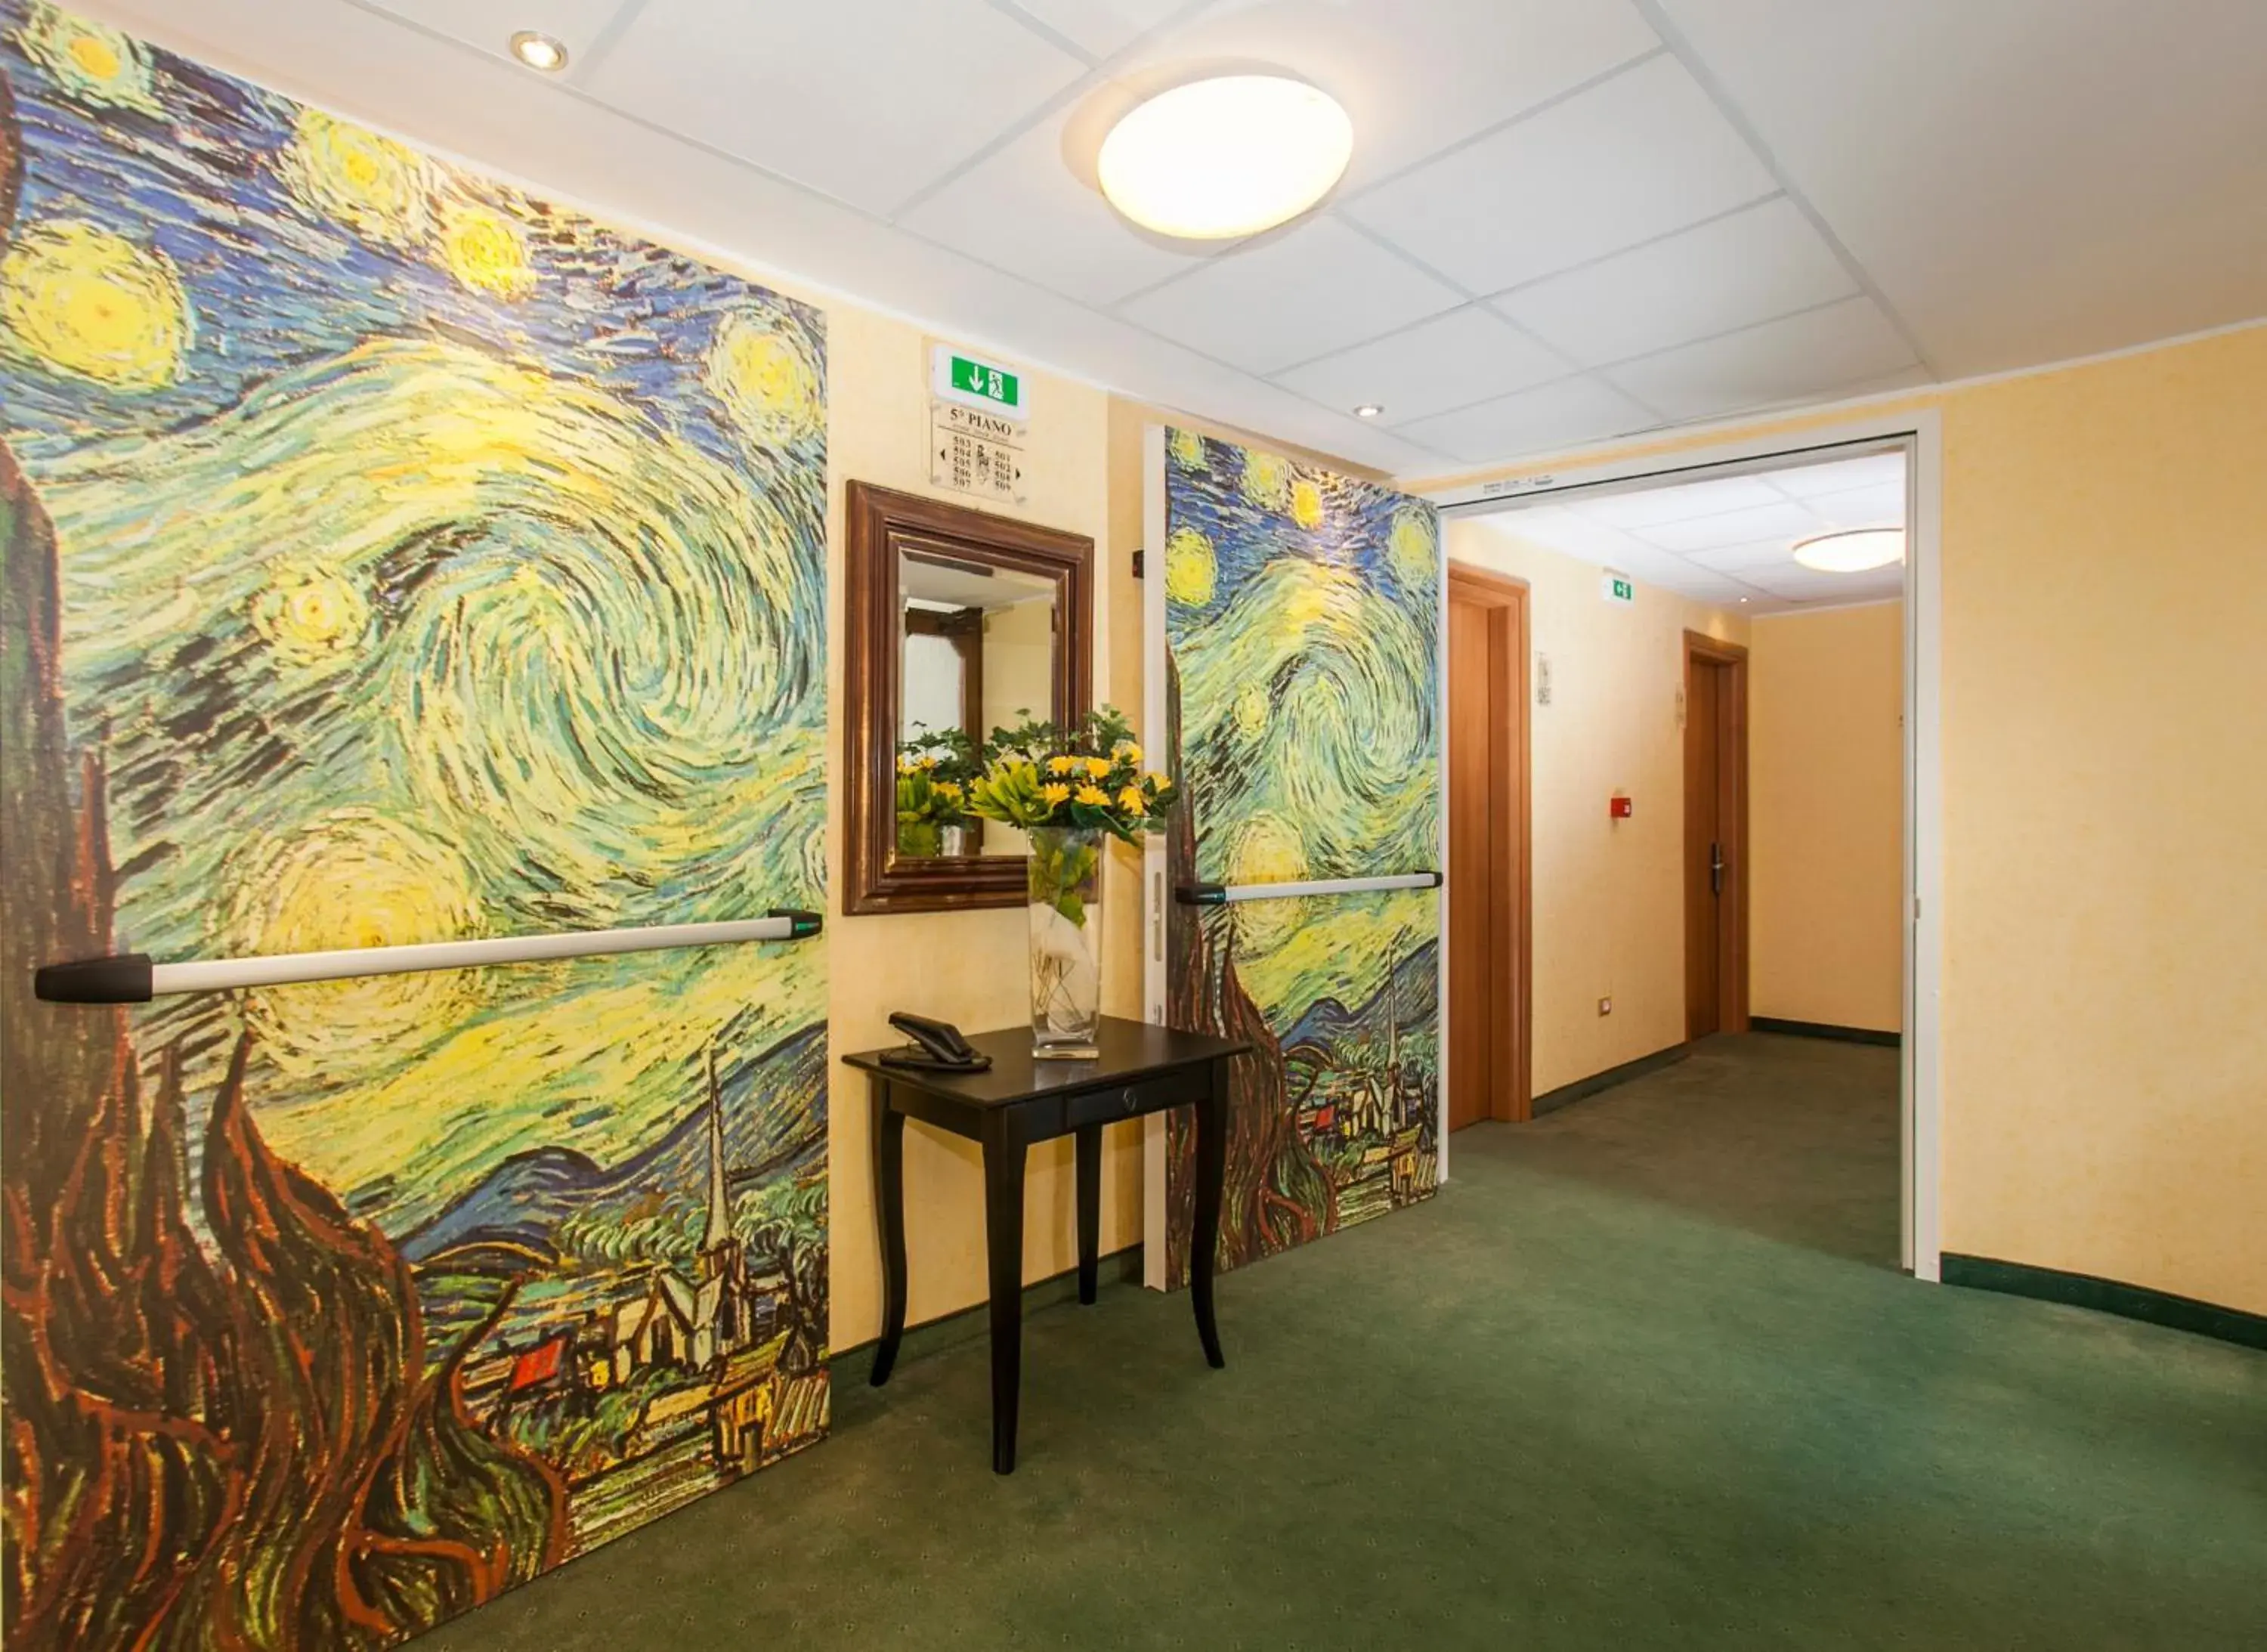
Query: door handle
x=1715, y=868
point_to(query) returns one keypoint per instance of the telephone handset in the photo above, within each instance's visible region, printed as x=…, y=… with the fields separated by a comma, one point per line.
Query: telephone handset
x=937, y=1047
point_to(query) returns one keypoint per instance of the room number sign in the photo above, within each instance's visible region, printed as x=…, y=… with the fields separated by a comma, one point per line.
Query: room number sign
x=978, y=453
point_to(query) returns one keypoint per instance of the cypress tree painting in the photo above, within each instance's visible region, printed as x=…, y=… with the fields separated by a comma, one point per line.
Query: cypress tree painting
x=1302, y=656
x=389, y=557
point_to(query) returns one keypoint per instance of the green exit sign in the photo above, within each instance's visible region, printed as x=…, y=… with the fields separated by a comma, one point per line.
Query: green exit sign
x=974, y=382
x=1618, y=588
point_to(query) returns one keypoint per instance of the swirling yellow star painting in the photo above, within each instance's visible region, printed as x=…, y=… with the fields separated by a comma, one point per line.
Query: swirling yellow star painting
x=1302, y=632
x=389, y=558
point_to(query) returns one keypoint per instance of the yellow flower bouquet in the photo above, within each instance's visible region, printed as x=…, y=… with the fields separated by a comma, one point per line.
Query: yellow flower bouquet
x=935, y=772
x=1090, y=777
x=1068, y=787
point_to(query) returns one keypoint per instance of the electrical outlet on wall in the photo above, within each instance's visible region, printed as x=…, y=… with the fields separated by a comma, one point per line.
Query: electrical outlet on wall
x=1605, y=1006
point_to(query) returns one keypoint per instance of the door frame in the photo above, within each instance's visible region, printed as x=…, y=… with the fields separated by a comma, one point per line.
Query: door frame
x=1511, y=916
x=1732, y=923
x=1699, y=454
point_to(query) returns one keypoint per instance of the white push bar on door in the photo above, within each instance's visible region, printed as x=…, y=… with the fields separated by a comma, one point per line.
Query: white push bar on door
x=131, y=978
x=1222, y=894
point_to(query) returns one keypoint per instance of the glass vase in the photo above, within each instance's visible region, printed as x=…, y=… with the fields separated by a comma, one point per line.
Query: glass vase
x=1065, y=897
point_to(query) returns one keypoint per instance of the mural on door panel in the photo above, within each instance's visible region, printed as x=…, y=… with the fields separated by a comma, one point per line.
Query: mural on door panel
x=1302, y=632
x=389, y=557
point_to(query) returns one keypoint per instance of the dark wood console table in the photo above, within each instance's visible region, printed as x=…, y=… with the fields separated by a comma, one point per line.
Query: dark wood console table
x=1141, y=1070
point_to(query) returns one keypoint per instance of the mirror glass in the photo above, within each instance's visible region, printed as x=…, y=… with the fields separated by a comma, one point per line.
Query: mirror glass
x=976, y=652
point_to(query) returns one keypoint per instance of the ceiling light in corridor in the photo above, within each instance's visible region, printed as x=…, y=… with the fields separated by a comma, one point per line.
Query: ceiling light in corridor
x=1225, y=156
x=1852, y=550
x=538, y=51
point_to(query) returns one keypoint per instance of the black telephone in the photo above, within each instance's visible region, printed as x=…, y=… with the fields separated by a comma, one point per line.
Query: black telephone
x=937, y=1047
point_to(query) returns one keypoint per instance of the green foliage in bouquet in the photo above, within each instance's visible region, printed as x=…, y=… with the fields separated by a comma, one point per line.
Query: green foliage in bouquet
x=1062, y=872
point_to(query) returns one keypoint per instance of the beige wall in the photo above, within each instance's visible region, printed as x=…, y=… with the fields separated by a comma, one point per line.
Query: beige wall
x=966, y=967
x=1826, y=816
x=2104, y=680
x=1609, y=898
x=2105, y=777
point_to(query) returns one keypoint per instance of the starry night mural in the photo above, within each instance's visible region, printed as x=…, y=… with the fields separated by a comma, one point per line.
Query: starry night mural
x=1302, y=647
x=390, y=557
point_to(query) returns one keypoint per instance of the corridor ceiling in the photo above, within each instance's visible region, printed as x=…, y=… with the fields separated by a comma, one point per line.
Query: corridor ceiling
x=1566, y=220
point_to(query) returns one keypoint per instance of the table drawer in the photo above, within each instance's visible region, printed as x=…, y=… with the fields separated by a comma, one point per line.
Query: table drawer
x=1130, y=1101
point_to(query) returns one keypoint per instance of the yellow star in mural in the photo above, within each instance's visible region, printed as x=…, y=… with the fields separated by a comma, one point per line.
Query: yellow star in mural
x=81, y=300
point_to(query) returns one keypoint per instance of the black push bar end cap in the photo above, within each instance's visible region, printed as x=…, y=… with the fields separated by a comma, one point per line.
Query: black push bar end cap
x=121, y=979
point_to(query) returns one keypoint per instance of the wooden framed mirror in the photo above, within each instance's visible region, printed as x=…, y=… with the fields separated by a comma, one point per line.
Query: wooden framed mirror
x=958, y=621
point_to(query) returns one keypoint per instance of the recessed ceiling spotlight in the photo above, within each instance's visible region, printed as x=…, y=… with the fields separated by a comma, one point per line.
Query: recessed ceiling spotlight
x=1852, y=550
x=538, y=51
x=1367, y=410
x=1225, y=156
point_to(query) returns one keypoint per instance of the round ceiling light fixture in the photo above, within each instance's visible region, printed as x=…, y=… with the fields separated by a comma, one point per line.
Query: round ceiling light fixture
x=1233, y=155
x=538, y=51
x=1852, y=550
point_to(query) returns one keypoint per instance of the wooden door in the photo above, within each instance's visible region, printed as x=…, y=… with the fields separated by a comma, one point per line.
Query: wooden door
x=1487, y=898
x=1703, y=844
x=1473, y=868
x=1715, y=837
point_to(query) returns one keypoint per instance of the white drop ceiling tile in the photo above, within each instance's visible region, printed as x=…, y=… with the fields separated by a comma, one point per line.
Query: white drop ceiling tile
x=1785, y=360
x=1635, y=157
x=1679, y=501
x=2027, y=180
x=578, y=25
x=1882, y=506
x=1022, y=210
x=1913, y=378
x=1756, y=264
x=1841, y=475
x=1414, y=79
x=1785, y=519
x=1101, y=26
x=1319, y=289
x=1570, y=534
x=1450, y=361
x=866, y=102
x=1775, y=552
x=1797, y=584
x=1722, y=589
x=1563, y=414
x=1659, y=568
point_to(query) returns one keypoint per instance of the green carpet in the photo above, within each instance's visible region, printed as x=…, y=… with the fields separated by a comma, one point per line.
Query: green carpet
x=1642, y=1375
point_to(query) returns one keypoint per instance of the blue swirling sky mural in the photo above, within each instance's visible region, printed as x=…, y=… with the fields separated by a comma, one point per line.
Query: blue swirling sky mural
x=392, y=557
x=1302, y=630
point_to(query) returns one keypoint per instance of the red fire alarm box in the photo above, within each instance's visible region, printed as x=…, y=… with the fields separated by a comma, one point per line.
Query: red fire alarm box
x=1620, y=808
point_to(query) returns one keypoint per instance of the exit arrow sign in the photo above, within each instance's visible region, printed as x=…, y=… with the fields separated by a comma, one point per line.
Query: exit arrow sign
x=974, y=382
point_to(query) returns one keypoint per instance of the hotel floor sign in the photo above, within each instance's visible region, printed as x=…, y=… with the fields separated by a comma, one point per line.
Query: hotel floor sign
x=979, y=423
